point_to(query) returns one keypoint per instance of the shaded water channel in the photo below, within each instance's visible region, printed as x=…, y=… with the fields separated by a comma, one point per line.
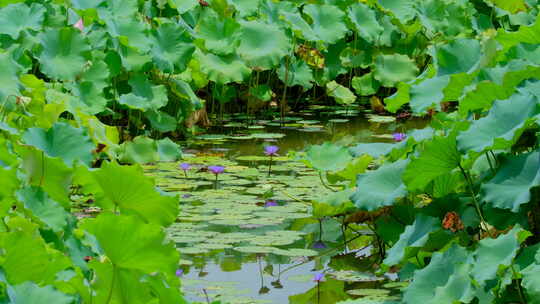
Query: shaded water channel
x=250, y=237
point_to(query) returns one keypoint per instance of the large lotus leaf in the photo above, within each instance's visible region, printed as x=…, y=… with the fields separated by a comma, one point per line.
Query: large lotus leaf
x=168, y=150
x=374, y=149
x=391, y=34
x=220, y=34
x=365, y=85
x=300, y=26
x=86, y=4
x=381, y=187
x=29, y=292
x=50, y=173
x=297, y=72
x=341, y=94
x=129, y=30
x=262, y=45
x=505, y=121
x=440, y=156
x=144, y=95
x=126, y=187
x=89, y=90
x=391, y=69
x=223, y=69
x=458, y=56
x=493, y=254
x=171, y=48
x=512, y=6
x=450, y=18
x=62, y=56
x=333, y=203
x=328, y=157
x=428, y=93
x=62, y=140
x=26, y=257
x=183, y=5
x=246, y=7
x=130, y=243
x=365, y=20
x=399, y=98
x=445, y=268
x=9, y=80
x=412, y=239
x=43, y=207
x=531, y=282
x=402, y=9
x=18, y=17
x=525, y=34
x=510, y=188
x=328, y=22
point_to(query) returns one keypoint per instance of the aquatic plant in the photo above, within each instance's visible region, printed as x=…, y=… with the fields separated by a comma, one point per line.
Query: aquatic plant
x=216, y=170
x=270, y=203
x=319, y=277
x=399, y=136
x=270, y=151
x=185, y=167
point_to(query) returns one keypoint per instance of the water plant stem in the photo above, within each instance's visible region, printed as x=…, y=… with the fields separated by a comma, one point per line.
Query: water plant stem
x=109, y=296
x=490, y=164
x=215, y=182
x=483, y=225
x=270, y=166
x=324, y=183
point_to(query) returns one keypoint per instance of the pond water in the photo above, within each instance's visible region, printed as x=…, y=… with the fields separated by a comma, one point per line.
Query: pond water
x=249, y=236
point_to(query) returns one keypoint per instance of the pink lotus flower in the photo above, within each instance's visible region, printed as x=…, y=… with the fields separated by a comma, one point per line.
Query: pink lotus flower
x=79, y=25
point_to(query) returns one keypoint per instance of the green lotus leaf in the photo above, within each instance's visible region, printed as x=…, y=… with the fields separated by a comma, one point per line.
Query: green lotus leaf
x=403, y=9
x=262, y=45
x=448, y=18
x=458, y=56
x=511, y=186
x=89, y=96
x=63, y=53
x=29, y=292
x=9, y=79
x=183, y=5
x=168, y=150
x=18, y=17
x=369, y=292
x=161, y=121
x=391, y=34
x=126, y=187
x=296, y=72
x=495, y=254
x=300, y=26
x=428, y=93
x=379, y=188
x=374, y=149
x=444, y=280
x=365, y=21
x=86, y=4
x=129, y=30
x=144, y=95
x=365, y=85
x=246, y=7
x=328, y=157
x=354, y=58
x=525, y=34
x=220, y=34
x=341, y=94
x=62, y=140
x=223, y=69
x=43, y=207
x=505, y=122
x=440, y=156
x=412, y=239
x=512, y=6
x=531, y=282
x=381, y=119
x=171, y=48
x=28, y=258
x=398, y=99
x=328, y=22
x=391, y=69
x=130, y=243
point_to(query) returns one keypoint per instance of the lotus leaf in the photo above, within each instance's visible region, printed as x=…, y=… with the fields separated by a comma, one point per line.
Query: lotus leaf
x=262, y=45
x=328, y=157
x=391, y=69
x=18, y=17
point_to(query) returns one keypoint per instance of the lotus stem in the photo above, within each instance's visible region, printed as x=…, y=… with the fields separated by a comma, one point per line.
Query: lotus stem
x=483, y=225
x=490, y=164
x=215, y=182
x=109, y=297
x=270, y=166
x=324, y=184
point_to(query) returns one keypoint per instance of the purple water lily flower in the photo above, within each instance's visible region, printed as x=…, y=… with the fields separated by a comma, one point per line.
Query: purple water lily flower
x=216, y=169
x=179, y=272
x=271, y=150
x=185, y=167
x=319, y=277
x=399, y=136
x=270, y=203
x=319, y=245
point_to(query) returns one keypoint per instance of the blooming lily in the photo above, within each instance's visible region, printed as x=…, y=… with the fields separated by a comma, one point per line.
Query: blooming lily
x=216, y=170
x=179, y=272
x=185, y=167
x=270, y=203
x=270, y=151
x=319, y=277
x=319, y=245
x=399, y=136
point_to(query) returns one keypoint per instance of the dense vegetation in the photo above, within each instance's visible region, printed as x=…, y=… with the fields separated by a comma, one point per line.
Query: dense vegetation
x=88, y=89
